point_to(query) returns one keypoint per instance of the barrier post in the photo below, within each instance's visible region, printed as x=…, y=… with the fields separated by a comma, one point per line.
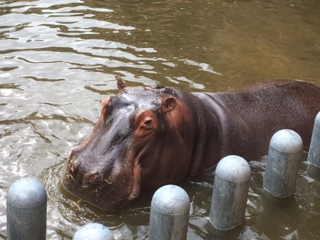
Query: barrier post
x=93, y=231
x=314, y=150
x=169, y=217
x=230, y=192
x=26, y=210
x=282, y=163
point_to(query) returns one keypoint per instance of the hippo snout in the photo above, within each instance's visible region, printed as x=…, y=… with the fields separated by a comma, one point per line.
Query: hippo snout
x=88, y=179
x=86, y=176
x=79, y=172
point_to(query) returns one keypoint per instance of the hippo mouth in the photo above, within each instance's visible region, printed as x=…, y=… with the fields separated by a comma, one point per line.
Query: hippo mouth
x=104, y=191
x=99, y=195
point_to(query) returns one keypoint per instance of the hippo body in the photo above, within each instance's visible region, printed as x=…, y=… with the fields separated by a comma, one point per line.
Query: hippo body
x=147, y=137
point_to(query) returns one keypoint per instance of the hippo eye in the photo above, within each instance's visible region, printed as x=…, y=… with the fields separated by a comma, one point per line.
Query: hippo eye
x=145, y=123
x=148, y=122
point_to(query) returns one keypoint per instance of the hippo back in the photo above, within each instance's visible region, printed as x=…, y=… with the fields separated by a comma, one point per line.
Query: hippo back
x=247, y=118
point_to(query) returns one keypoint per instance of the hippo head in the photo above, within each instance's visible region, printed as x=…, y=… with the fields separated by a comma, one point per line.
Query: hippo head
x=137, y=143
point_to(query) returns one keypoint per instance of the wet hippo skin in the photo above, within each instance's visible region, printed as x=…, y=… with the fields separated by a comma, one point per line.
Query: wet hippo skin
x=150, y=136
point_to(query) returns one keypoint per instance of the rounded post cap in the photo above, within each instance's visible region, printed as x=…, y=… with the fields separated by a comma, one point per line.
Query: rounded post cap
x=286, y=141
x=27, y=193
x=317, y=119
x=233, y=168
x=93, y=231
x=171, y=200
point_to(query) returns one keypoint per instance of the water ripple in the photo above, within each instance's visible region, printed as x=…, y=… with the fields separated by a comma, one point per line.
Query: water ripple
x=59, y=59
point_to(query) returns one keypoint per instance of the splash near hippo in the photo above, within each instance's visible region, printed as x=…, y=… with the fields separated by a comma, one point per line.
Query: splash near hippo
x=150, y=136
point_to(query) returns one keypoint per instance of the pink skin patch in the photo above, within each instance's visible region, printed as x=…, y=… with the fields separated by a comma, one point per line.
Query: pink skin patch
x=93, y=177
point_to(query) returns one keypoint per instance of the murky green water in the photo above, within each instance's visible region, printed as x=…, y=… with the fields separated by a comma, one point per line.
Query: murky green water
x=59, y=59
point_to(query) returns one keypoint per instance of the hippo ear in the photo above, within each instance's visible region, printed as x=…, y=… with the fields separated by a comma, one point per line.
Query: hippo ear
x=120, y=84
x=168, y=104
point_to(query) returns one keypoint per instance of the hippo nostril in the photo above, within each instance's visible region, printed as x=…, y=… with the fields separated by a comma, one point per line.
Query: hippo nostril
x=93, y=177
x=72, y=167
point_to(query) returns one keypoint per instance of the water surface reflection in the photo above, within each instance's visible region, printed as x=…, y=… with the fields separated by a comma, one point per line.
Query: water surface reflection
x=58, y=61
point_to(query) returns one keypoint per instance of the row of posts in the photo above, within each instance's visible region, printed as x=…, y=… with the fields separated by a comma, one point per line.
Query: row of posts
x=170, y=206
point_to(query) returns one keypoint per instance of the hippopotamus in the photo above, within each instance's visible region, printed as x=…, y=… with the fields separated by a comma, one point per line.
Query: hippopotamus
x=147, y=137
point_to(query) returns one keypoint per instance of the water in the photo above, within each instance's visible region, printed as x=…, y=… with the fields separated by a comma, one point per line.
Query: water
x=59, y=59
